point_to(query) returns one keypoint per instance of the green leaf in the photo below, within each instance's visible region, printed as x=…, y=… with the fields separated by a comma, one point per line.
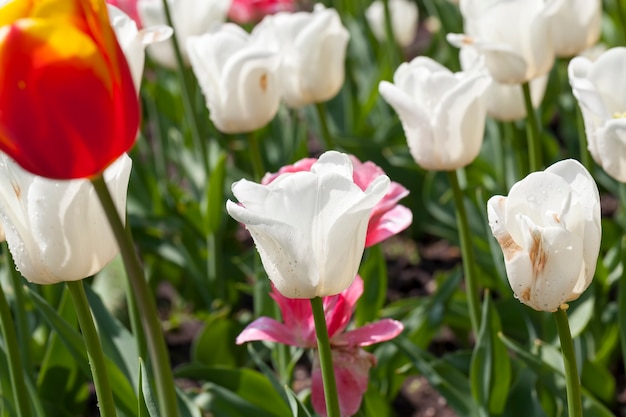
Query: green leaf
x=215, y=345
x=213, y=205
x=445, y=378
x=123, y=392
x=490, y=373
x=246, y=385
x=374, y=273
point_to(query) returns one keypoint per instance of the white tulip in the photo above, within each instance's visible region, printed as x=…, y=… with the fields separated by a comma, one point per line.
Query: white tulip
x=549, y=230
x=57, y=230
x=312, y=48
x=133, y=41
x=189, y=17
x=600, y=88
x=442, y=113
x=576, y=26
x=309, y=227
x=513, y=36
x=404, y=17
x=237, y=77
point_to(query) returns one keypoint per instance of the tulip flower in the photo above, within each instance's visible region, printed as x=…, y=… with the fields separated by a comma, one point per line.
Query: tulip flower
x=404, y=17
x=442, y=113
x=514, y=53
x=549, y=230
x=505, y=102
x=309, y=227
x=312, y=47
x=65, y=71
x=248, y=11
x=237, y=78
x=388, y=218
x=351, y=363
x=133, y=41
x=575, y=26
x=57, y=230
x=601, y=93
x=189, y=17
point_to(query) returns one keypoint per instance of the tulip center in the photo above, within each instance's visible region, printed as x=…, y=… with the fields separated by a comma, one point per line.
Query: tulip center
x=617, y=115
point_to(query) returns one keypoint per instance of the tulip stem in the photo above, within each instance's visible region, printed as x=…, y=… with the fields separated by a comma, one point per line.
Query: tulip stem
x=473, y=301
x=582, y=140
x=23, y=333
x=255, y=155
x=532, y=130
x=190, y=112
x=622, y=16
x=395, y=53
x=12, y=348
x=572, y=381
x=328, y=139
x=326, y=358
x=104, y=394
x=145, y=303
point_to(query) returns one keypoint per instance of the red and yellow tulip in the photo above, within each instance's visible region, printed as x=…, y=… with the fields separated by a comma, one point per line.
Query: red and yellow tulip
x=68, y=107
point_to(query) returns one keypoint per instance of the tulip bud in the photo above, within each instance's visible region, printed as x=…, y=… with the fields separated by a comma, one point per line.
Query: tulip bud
x=514, y=53
x=189, y=17
x=65, y=71
x=237, y=78
x=309, y=227
x=549, y=230
x=443, y=114
x=57, y=230
x=599, y=88
x=312, y=47
x=575, y=26
x=404, y=17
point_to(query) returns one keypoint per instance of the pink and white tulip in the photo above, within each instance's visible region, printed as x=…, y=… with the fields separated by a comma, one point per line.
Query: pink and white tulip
x=248, y=11
x=388, y=218
x=351, y=362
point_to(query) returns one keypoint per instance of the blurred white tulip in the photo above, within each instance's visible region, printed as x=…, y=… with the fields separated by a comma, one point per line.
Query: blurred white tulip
x=600, y=88
x=57, y=230
x=312, y=49
x=404, y=17
x=189, y=17
x=576, y=26
x=442, y=113
x=238, y=78
x=513, y=36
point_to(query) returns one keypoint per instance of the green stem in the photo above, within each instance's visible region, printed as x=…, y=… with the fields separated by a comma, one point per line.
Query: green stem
x=328, y=139
x=532, y=130
x=104, y=394
x=23, y=333
x=16, y=374
x=572, y=381
x=255, y=155
x=582, y=140
x=326, y=358
x=190, y=112
x=621, y=302
x=145, y=303
x=395, y=53
x=467, y=252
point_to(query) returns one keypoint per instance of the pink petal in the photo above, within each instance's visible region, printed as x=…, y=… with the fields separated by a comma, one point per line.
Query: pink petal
x=338, y=311
x=265, y=328
x=351, y=368
x=388, y=224
x=302, y=165
x=298, y=318
x=364, y=172
x=369, y=334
